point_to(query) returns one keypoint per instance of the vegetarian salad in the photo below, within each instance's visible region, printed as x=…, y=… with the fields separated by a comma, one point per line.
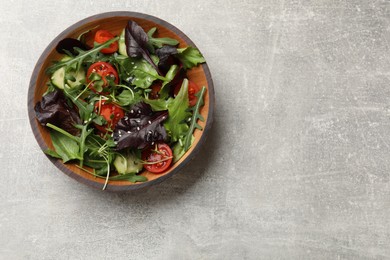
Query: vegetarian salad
x=122, y=105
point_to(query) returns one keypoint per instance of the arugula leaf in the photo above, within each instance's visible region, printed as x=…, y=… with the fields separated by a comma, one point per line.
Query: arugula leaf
x=194, y=119
x=132, y=177
x=85, y=109
x=178, y=114
x=127, y=97
x=159, y=42
x=185, y=142
x=77, y=61
x=98, y=152
x=178, y=149
x=190, y=57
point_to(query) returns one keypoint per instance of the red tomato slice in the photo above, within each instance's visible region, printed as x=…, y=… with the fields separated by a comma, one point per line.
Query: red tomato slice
x=110, y=112
x=192, y=90
x=102, y=36
x=162, y=156
x=104, y=69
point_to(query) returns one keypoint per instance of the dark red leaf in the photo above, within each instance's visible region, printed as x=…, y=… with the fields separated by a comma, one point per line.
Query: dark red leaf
x=140, y=127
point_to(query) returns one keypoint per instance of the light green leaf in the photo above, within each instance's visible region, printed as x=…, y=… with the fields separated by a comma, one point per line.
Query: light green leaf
x=178, y=114
x=142, y=72
x=52, y=153
x=158, y=104
x=64, y=146
x=173, y=70
x=190, y=57
x=131, y=177
x=127, y=97
x=159, y=42
x=75, y=62
x=194, y=119
x=179, y=150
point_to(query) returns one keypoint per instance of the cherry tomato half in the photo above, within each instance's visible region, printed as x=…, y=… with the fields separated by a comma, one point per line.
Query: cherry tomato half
x=161, y=154
x=192, y=90
x=104, y=69
x=110, y=112
x=102, y=36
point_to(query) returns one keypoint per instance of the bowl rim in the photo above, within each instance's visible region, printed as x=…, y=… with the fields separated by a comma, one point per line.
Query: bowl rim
x=58, y=163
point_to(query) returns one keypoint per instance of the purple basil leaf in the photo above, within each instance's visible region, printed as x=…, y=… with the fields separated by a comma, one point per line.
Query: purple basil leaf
x=140, y=127
x=136, y=41
x=166, y=58
x=68, y=45
x=54, y=109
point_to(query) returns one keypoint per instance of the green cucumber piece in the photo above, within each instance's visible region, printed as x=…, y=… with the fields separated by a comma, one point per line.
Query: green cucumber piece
x=58, y=77
x=122, y=44
x=127, y=163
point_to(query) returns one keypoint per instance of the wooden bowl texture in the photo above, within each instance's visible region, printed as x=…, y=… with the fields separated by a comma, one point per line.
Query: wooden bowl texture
x=115, y=22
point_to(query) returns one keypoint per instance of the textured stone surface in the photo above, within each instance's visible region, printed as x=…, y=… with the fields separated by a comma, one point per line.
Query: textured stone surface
x=296, y=166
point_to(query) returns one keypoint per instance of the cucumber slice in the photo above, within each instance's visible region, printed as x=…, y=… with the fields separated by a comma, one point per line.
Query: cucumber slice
x=127, y=163
x=122, y=44
x=58, y=77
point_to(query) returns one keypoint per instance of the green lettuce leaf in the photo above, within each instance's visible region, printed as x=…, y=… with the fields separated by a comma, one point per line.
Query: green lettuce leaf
x=190, y=57
x=159, y=42
x=142, y=73
x=127, y=97
x=178, y=114
x=65, y=147
x=179, y=149
x=131, y=177
x=158, y=104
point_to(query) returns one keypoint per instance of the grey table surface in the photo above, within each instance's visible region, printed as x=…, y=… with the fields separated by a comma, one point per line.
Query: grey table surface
x=295, y=167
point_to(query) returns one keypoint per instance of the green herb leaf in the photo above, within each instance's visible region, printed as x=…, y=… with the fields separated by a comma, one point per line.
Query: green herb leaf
x=158, y=104
x=98, y=85
x=178, y=149
x=65, y=147
x=132, y=177
x=76, y=62
x=190, y=57
x=194, y=119
x=99, y=120
x=142, y=73
x=159, y=42
x=173, y=70
x=178, y=113
x=128, y=97
x=94, y=76
x=52, y=153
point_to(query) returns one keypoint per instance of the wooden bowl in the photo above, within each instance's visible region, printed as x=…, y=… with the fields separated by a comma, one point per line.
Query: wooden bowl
x=115, y=22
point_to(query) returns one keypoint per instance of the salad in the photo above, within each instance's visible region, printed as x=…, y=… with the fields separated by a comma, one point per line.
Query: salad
x=123, y=105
